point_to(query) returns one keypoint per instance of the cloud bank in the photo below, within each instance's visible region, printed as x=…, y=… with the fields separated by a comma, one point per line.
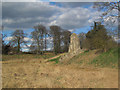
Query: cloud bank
x=67, y=15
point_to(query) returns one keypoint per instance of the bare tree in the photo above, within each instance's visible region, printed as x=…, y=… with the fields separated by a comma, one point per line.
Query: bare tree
x=45, y=35
x=39, y=36
x=82, y=39
x=66, y=40
x=56, y=34
x=107, y=7
x=18, y=39
x=108, y=14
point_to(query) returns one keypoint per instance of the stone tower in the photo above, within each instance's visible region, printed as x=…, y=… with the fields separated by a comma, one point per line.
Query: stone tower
x=74, y=48
x=74, y=43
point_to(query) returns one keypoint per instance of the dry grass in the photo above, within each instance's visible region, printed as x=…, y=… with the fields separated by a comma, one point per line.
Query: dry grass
x=83, y=58
x=37, y=74
x=26, y=57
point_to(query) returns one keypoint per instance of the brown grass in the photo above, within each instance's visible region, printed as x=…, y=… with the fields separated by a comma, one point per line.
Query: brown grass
x=34, y=73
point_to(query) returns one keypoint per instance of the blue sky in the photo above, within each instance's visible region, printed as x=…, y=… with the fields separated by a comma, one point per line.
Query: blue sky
x=75, y=17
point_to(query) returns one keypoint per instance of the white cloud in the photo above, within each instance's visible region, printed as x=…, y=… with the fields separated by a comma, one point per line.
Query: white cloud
x=48, y=49
x=27, y=15
x=73, y=18
x=8, y=38
x=28, y=39
x=24, y=46
x=116, y=39
x=9, y=21
x=25, y=49
x=71, y=30
x=49, y=38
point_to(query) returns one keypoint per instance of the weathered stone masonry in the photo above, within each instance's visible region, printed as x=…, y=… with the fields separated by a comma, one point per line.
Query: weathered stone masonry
x=74, y=48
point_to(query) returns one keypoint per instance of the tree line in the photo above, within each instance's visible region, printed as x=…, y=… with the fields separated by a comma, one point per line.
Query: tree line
x=96, y=38
x=39, y=45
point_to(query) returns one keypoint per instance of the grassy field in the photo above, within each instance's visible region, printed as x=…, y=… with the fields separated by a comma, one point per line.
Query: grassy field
x=30, y=71
x=27, y=56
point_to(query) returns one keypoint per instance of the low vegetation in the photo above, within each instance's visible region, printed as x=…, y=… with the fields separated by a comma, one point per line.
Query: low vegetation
x=91, y=58
x=56, y=60
x=107, y=59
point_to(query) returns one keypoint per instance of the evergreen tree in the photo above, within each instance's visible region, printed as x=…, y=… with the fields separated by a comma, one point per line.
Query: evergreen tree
x=98, y=38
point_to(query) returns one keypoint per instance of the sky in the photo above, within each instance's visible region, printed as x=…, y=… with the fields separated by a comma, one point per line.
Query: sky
x=76, y=17
x=81, y=0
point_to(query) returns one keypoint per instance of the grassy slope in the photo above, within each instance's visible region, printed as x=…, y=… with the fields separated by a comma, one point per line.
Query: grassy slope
x=107, y=59
x=88, y=58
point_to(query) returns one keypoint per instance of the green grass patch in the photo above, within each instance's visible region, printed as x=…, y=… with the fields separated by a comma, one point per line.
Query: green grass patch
x=107, y=59
x=56, y=60
x=86, y=51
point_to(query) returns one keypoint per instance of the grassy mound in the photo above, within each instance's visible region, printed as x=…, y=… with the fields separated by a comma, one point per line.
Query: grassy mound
x=107, y=59
x=89, y=58
x=79, y=58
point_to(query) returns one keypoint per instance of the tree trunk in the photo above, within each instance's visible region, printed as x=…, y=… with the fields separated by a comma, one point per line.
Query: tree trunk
x=38, y=48
x=18, y=45
x=45, y=43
